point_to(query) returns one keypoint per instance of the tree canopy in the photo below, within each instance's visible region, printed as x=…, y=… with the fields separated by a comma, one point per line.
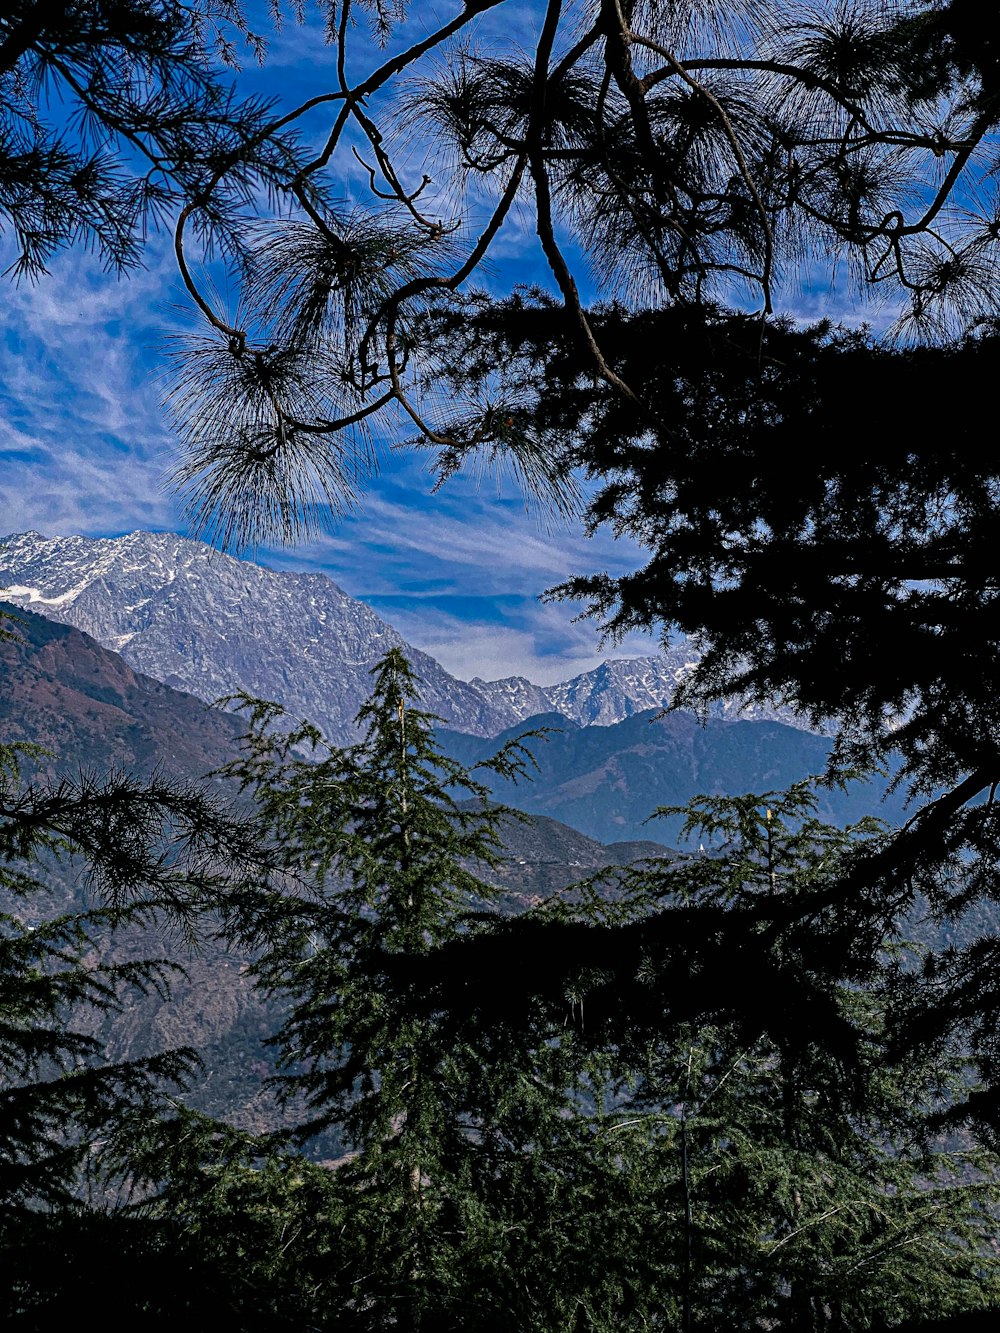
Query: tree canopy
x=114, y=115
x=817, y=513
x=816, y=508
x=629, y=1150
x=669, y=154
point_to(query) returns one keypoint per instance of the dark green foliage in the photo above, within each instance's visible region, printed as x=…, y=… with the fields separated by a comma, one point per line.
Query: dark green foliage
x=87, y=1144
x=853, y=580
x=689, y=1079
x=672, y=1106
x=782, y=1170
x=58, y=1096
x=718, y=1058
x=943, y=42
x=113, y=114
x=819, y=516
x=803, y=1180
x=463, y=1149
x=137, y=1272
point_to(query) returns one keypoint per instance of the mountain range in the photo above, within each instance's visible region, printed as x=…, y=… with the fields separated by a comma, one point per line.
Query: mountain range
x=610, y=780
x=163, y=602
x=207, y=623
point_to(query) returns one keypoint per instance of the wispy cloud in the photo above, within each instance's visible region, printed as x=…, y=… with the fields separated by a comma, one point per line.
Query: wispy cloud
x=84, y=446
x=527, y=638
x=81, y=434
x=460, y=574
x=460, y=528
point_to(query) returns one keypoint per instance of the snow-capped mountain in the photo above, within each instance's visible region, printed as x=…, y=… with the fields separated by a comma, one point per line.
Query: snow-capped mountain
x=612, y=692
x=618, y=689
x=213, y=625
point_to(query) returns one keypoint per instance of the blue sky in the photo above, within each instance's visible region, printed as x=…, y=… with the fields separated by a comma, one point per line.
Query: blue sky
x=85, y=446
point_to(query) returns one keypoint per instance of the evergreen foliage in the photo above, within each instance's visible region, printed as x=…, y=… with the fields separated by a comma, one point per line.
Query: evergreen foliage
x=641, y=1142
x=71, y=1121
x=801, y=1185
x=851, y=582
x=786, y=1157
x=730, y=1163
x=674, y=154
x=520, y=1098
x=114, y=115
x=461, y=1146
x=59, y=1097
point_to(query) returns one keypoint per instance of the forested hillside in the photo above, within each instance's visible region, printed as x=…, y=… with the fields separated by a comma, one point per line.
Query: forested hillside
x=93, y=715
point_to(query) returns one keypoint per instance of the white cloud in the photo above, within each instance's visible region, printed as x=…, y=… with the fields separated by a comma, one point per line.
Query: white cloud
x=544, y=644
x=80, y=421
x=92, y=494
x=457, y=539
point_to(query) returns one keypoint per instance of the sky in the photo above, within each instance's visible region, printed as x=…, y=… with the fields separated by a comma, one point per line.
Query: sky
x=85, y=446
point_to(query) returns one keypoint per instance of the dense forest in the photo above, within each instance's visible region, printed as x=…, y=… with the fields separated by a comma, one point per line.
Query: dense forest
x=721, y=1090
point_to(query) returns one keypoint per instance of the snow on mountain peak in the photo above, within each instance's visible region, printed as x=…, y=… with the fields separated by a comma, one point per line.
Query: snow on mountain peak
x=214, y=625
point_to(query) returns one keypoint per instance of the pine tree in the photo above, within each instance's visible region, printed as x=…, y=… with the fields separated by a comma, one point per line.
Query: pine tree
x=115, y=115
x=573, y=1119
x=792, y=1178
x=670, y=156
x=851, y=583
x=475, y=1186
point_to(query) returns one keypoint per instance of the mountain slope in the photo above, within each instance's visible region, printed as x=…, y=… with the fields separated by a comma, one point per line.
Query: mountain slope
x=213, y=625
x=87, y=707
x=607, y=780
x=207, y=623
x=92, y=712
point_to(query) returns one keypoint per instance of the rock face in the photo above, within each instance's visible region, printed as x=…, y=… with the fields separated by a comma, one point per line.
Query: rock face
x=206, y=623
x=203, y=622
x=612, y=692
x=618, y=689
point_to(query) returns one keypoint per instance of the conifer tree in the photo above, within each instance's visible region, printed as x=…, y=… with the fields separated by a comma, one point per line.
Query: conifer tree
x=475, y=1185
x=548, y=1138
x=802, y=1186
x=669, y=154
x=781, y=1164
x=853, y=584
x=115, y=115
x=59, y=1097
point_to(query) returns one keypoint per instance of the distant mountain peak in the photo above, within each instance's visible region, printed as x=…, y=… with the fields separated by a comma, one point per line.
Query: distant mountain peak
x=212, y=624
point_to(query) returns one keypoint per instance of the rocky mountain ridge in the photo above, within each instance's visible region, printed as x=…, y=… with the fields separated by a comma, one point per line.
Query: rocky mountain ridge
x=210, y=624
x=618, y=689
